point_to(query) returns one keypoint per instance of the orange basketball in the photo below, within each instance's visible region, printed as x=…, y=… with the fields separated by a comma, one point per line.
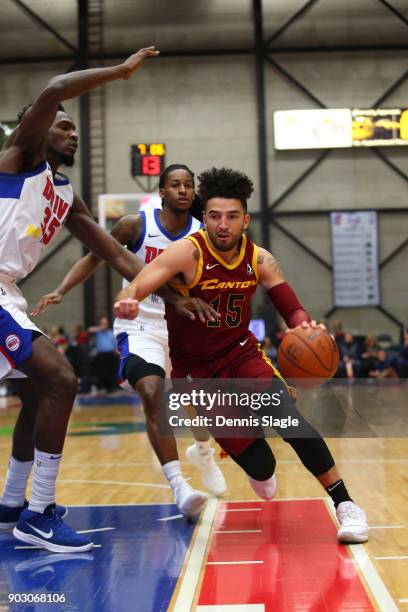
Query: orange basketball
x=308, y=356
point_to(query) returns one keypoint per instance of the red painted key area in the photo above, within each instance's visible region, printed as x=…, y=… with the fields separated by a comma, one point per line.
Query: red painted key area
x=302, y=566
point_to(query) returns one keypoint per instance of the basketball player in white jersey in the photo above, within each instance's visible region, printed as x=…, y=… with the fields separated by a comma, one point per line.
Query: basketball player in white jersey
x=143, y=344
x=34, y=202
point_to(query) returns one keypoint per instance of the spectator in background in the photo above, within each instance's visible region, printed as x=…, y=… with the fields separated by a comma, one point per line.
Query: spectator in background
x=78, y=355
x=337, y=330
x=106, y=356
x=369, y=356
x=59, y=338
x=349, y=366
x=382, y=366
x=269, y=348
x=80, y=335
x=402, y=359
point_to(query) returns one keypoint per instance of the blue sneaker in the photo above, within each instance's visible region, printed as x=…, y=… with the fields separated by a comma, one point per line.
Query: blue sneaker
x=47, y=530
x=9, y=515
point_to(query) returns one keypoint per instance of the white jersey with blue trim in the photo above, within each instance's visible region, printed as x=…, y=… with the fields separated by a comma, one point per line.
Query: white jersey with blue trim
x=153, y=240
x=33, y=206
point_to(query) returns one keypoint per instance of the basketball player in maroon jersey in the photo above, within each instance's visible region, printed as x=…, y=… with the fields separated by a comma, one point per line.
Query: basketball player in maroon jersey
x=223, y=267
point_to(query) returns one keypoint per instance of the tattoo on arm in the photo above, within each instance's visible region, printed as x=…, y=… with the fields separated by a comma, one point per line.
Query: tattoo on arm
x=196, y=254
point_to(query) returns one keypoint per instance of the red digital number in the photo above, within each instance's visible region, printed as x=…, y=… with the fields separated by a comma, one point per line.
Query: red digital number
x=151, y=165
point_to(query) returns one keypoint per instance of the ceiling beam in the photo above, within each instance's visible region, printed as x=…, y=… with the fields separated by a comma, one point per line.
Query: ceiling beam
x=37, y=19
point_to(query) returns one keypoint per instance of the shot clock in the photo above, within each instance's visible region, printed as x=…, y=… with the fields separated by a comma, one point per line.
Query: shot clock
x=148, y=159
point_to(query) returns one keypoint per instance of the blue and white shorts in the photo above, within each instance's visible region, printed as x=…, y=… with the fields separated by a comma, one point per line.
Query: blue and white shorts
x=145, y=341
x=15, y=330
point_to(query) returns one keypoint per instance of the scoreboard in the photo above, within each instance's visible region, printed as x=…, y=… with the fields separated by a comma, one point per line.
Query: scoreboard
x=148, y=159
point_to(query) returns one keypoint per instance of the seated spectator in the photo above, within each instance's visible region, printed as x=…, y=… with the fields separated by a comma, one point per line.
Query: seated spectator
x=349, y=366
x=382, y=366
x=402, y=359
x=337, y=330
x=369, y=356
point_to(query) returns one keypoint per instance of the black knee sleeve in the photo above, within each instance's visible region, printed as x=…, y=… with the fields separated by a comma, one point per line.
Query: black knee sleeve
x=257, y=460
x=305, y=440
x=137, y=368
x=313, y=453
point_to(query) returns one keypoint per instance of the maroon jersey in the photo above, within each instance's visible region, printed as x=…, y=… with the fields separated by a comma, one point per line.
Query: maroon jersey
x=228, y=288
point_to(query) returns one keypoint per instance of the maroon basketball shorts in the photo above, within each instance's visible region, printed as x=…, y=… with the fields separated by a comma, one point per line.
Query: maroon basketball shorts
x=245, y=361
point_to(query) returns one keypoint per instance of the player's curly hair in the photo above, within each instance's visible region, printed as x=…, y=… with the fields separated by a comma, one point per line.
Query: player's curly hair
x=225, y=183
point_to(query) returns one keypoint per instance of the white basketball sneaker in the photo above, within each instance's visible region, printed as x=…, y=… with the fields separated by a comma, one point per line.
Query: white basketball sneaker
x=211, y=475
x=266, y=489
x=189, y=501
x=353, y=523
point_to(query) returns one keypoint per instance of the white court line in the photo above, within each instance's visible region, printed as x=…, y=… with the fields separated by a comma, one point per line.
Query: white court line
x=403, y=600
x=279, y=499
x=171, y=518
x=223, y=462
x=191, y=576
x=240, y=509
x=114, y=505
x=41, y=548
x=378, y=589
x=391, y=558
x=239, y=531
x=95, y=530
x=235, y=563
x=387, y=527
x=232, y=608
x=117, y=465
x=376, y=461
x=117, y=482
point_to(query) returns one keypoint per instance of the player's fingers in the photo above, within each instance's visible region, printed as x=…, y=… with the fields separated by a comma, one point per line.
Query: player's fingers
x=39, y=308
x=185, y=312
x=202, y=314
x=208, y=311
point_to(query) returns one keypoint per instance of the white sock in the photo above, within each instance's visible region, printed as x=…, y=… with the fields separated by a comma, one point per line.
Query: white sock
x=203, y=446
x=45, y=472
x=16, y=482
x=172, y=470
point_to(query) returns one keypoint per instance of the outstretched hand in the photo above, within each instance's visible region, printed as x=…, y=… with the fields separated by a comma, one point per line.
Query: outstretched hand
x=135, y=61
x=127, y=308
x=186, y=306
x=50, y=298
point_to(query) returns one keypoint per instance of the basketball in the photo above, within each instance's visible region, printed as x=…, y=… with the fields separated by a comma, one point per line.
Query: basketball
x=308, y=356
